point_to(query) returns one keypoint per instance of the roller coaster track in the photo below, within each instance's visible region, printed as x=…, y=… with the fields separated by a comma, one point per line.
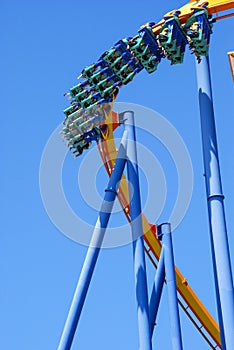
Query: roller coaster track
x=187, y=299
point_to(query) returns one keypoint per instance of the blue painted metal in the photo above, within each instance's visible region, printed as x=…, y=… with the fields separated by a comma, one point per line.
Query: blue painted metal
x=122, y=61
x=88, y=71
x=156, y=292
x=198, y=28
x=137, y=232
x=78, y=88
x=145, y=47
x=94, y=249
x=215, y=201
x=164, y=233
x=173, y=39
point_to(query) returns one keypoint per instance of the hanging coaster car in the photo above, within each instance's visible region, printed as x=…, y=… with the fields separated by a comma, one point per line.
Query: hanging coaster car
x=198, y=29
x=122, y=61
x=146, y=48
x=172, y=38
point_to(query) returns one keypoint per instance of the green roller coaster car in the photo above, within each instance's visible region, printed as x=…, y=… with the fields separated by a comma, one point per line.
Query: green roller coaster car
x=88, y=71
x=109, y=92
x=83, y=127
x=105, y=84
x=78, y=88
x=68, y=135
x=127, y=77
x=74, y=116
x=84, y=94
x=146, y=49
x=144, y=54
x=122, y=61
x=173, y=39
x=76, y=122
x=68, y=111
x=80, y=146
x=81, y=142
x=74, y=131
x=111, y=55
x=122, y=70
x=126, y=74
x=100, y=75
x=117, y=63
x=139, y=48
x=89, y=101
x=81, y=95
x=198, y=28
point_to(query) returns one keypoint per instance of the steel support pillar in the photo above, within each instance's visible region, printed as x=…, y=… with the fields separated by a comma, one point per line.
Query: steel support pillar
x=164, y=233
x=156, y=292
x=215, y=199
x=137, y=235
x=94, y=249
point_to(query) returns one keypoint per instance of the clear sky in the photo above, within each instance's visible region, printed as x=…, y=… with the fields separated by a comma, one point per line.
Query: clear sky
x=44, y=47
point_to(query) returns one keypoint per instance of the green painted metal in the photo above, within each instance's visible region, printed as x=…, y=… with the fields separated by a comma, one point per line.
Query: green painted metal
x=106, y=87
x=108, y=92
x=144, y=55
x=143, y=52
x=97, y=77
x=116, y=62
x=78, y=88
x=173, y=48
x=198, y=34
x=88, y=101
x=88, y=71
x=68, y=111
x=82, y=95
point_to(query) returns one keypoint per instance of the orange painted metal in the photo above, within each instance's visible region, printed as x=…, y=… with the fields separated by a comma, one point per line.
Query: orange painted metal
x=213, y=7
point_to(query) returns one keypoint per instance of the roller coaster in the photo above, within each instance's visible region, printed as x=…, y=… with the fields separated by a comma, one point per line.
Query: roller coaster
x=90, y=118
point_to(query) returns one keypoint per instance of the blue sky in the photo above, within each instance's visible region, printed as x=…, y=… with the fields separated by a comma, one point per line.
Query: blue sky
x=45, y=45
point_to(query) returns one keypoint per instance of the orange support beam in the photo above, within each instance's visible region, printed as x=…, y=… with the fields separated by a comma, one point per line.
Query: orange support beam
x=213, y=7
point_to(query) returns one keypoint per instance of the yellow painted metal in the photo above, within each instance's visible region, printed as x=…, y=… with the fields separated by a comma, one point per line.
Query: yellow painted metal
x=109, y=152
x=213, y=7
x=231, y=62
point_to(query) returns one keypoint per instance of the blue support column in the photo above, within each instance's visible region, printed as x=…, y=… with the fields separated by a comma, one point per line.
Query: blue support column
x=164, y=233
x=94, y=249
x=137, y=232
x=156, y=292
x=217, y=221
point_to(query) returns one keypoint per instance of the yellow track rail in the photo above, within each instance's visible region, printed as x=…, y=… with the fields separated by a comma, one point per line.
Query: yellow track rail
x=213, y=7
